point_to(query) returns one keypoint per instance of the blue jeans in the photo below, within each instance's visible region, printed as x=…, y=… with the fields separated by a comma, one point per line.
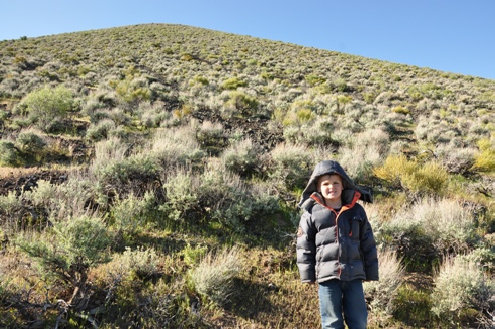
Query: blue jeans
x=347, y=297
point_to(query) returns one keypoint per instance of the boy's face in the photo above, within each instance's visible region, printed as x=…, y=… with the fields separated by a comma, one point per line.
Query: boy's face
x=330, y=187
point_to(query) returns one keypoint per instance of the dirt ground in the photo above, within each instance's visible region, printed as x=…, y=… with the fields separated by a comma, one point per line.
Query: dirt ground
x=25, y=180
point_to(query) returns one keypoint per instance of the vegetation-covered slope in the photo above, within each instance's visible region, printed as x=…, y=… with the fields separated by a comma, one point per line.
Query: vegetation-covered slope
x=150, y=175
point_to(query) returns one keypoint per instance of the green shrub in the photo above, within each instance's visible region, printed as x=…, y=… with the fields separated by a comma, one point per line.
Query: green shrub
x=241, y=158
x=101, y=130
x=240, y=104
x=182, y=198
x=193, y=255
x=69, y=248
x=142, y=261
x=10, y=155
x=314, y=80
x=211, y=137
x=30, y=142
x=395, y=168
x=292, y=165
x=233, y=83
x=412, y=306
x=213, y=277
x=431, y=178
x=176, y=147
x=131, y=90
x=382, y=293
x=428, y=230
x=305, y=115
x=400, y=109
x=485, y=160
x=131, y=213
x=46, y=106
x=199, y=80
x=461, y=291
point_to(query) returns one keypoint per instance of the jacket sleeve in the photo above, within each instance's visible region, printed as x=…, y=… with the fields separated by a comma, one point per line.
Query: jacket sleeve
x=368, y=248
x=306, y=248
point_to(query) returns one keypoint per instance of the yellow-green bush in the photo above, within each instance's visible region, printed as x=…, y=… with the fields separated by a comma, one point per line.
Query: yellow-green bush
x=233, y=83
x=485, y=160
x=131, y=90
x=45, y=106
x=398, y=171
x=241, y=104
x=430, y=178
x=400, y=109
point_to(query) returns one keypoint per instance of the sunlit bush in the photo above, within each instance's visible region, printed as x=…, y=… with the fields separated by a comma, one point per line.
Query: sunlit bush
x=211, y=137
x=428, y=230
x=101, y=130
x=144, y=262
x=485, y=160
x=129, y=215
x=176, y=147
x=30, y=142
x=430, y=178
x=463, y=292
x=365, y=153
x=383, y=292
x=241, y=158
x=233, y=83
x=45, y=106
x=182, y=197
x=213, y=277
x=292, y=165
x=240, y=104
x=69, y=248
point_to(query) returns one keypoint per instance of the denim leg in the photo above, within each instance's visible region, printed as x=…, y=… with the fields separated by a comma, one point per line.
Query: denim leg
x=330, y=298
x=355, y=312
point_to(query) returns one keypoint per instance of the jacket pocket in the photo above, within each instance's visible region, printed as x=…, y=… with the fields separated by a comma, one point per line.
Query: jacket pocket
x=355, y=228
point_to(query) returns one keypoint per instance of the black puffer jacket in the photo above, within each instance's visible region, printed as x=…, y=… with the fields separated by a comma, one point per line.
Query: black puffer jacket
x=333, y=245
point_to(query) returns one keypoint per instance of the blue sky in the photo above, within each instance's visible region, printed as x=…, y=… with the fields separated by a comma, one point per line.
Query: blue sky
x=449, y=35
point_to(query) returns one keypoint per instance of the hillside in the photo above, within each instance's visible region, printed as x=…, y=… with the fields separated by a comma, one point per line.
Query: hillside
x=149, y=177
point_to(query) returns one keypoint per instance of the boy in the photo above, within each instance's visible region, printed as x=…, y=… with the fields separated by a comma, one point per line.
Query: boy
x=335, y=245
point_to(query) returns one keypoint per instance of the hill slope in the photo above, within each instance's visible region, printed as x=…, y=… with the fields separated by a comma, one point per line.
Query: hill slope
x=134, y=157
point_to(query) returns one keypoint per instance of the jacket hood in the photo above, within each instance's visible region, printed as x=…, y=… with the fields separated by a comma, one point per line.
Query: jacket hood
x=328, y=167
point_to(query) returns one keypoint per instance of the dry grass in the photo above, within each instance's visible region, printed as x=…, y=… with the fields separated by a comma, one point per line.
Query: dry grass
x=383, y=292
x=6, y=172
